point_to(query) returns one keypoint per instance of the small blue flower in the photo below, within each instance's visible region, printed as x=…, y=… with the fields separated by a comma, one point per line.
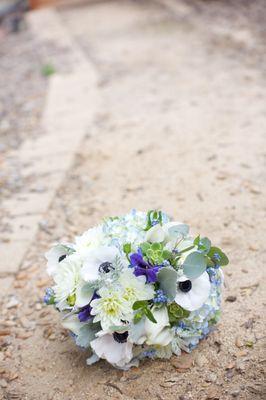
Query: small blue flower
x=160, y=297
x=49, y=296
x=217, y=256
x=149, y=353
x=182, y=325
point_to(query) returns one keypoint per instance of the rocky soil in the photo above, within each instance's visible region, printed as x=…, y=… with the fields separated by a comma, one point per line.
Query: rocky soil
x=181, y=127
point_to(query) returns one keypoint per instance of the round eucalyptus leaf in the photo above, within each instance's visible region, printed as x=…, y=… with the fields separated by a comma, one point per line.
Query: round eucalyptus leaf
x=194, y=265
x=167, y=278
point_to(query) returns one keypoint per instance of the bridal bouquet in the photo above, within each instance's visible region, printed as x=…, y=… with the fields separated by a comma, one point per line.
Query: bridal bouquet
x=135, y=287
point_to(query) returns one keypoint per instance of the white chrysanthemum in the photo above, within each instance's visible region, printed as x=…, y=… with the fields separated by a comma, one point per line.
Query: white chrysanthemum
x=118, y=353
x=90, y=239
x=110, y=308
x=135, y=288
x=67, y=279
x=192, y=293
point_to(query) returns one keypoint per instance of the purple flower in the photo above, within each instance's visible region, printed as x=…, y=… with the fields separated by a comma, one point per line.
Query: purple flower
x=85, y=313
x=142, y=267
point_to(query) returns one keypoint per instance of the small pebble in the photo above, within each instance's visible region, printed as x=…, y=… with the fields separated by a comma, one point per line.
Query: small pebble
x=235, y=392
x=212, y=377
x=13, y=302
x=3, y=383
x=230, y=299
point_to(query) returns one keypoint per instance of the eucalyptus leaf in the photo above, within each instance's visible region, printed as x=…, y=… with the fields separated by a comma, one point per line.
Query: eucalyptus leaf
x=167, y=277
x=194, y=265
x=204, y=244
x=86, y=335
x=118, y=328
x=180, y=230
x=217, y=256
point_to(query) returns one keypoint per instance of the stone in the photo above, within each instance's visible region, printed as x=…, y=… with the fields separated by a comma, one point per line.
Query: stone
x=183, y=362
x=212, y=377
x=230, y=299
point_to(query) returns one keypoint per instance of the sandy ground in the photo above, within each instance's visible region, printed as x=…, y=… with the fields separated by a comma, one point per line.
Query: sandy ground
x=181, y=127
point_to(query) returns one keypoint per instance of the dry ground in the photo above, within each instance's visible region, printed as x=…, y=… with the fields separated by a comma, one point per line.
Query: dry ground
x=181, y=127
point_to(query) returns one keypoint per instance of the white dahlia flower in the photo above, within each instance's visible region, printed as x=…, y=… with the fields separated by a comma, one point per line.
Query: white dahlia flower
x=110, y=309
x=67, y=280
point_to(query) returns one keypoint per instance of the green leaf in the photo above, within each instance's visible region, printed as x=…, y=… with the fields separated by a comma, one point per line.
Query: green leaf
x=186, y=249
x=167, y=278
x=149, y=224
x=127, y=248
x=197, y=240
x=137, y=317
x=194, y=265
x=139, y=304
x=149, y=315
x=223, y=259
x=48, y=70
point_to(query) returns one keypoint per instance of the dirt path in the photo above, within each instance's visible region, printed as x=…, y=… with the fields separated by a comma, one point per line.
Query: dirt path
x=181, y=127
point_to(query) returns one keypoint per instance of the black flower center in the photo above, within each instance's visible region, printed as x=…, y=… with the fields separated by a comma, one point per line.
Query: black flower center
x=120, y=337
x=106, y=267
x=61, y=258
x=185, y=286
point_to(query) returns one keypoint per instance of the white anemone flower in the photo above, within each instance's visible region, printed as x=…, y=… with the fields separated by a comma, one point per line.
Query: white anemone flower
x=54, y=257
x=110, y=309
x=98, y=259
x=158, y=334
x=193, y=293
x=135, y=287
x=67, y=280
x=113, y=347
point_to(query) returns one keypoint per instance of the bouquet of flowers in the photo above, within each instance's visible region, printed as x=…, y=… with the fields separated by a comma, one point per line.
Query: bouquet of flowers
x=137, y=286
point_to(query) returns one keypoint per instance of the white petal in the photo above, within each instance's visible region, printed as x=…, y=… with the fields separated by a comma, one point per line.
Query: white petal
x=115, y=353
x=52, y=257
x=83, y=295
x=158, y=333
x=198, y=294
x=72, y=323
x=137, y=332
x=162, y=339
x=94, y=258
x=155, y=234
